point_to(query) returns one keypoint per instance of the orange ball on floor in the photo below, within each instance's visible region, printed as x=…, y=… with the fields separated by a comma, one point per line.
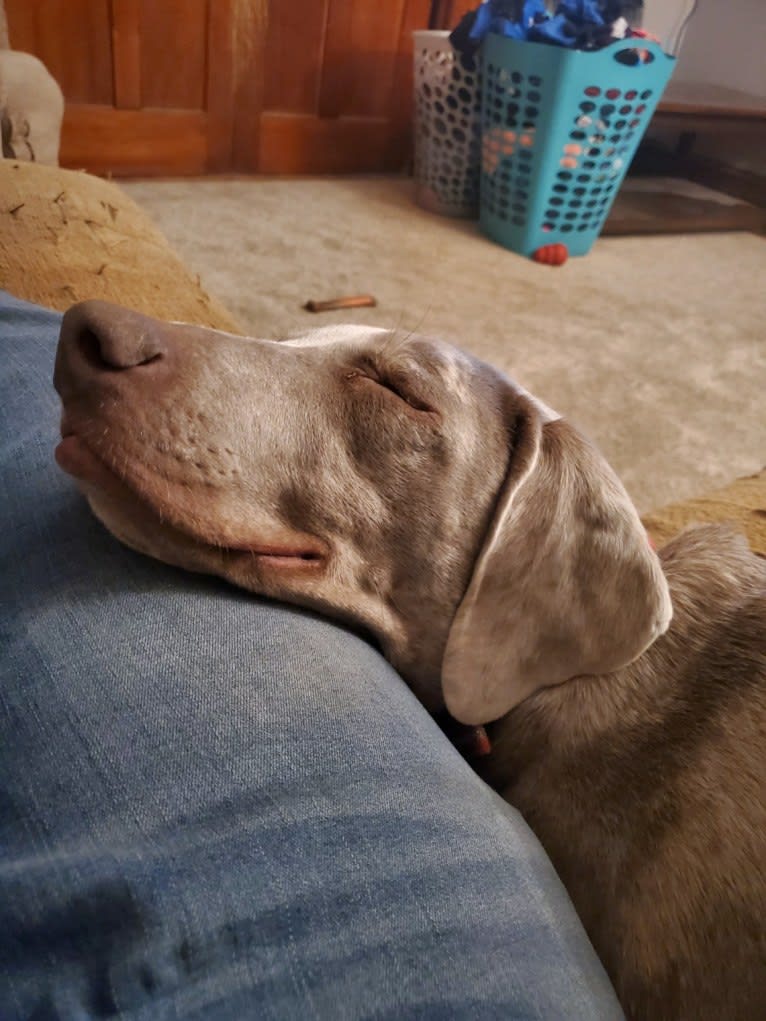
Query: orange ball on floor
x=551, y=255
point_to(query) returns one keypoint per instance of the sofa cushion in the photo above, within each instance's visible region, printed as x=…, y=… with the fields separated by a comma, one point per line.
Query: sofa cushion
x=742, y=503
x=66, y=236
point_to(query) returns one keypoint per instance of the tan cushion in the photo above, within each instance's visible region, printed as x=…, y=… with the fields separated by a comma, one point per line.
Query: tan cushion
x=66, y=236
x=742, y=502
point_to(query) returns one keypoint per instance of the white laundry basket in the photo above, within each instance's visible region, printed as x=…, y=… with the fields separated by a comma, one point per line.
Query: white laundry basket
x=447, y=125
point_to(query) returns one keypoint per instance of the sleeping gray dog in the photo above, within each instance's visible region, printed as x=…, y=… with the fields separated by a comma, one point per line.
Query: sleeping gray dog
x=404, y=487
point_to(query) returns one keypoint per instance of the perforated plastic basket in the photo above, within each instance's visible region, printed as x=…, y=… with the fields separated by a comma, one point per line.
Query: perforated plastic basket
x=447, y=126
x=559, y=130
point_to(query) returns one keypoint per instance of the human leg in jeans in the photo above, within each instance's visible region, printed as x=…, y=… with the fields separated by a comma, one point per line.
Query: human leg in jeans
x=216, y=807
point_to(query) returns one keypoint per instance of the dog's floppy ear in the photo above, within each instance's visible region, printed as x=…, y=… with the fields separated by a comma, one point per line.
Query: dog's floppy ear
x=566, y=582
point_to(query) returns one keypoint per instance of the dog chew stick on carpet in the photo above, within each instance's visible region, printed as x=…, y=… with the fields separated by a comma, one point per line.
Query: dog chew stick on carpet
x=333, y=304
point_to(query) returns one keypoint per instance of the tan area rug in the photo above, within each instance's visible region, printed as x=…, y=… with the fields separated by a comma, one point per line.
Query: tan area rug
x=655, y=346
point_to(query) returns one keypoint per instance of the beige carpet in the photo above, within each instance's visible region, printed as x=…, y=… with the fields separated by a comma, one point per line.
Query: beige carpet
x=655, y=346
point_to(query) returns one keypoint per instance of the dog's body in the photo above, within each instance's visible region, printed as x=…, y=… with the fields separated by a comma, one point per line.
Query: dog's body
x=653, y=809
x=404, y=487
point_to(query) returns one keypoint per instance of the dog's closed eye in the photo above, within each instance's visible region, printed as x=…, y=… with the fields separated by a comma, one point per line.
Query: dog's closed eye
x=397, y=387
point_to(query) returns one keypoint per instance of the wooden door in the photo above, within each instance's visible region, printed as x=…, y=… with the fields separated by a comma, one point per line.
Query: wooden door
x=194, y=86
x=447, y=13
x=148, y=83
x=337, y=86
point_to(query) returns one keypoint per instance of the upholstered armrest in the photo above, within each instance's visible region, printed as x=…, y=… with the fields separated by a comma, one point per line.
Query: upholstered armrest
x=742, y=502
x=66, y=236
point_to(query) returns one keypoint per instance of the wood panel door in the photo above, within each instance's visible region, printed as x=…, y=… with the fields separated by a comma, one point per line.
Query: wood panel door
x=337, y=86
x=148, y=83
x=194, y=86
x=447, y=13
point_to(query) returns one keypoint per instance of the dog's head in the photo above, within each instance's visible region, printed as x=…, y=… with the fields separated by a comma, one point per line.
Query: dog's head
x=391, y=481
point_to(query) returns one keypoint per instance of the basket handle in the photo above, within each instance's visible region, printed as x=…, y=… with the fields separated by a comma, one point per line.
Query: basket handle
x=636, y=52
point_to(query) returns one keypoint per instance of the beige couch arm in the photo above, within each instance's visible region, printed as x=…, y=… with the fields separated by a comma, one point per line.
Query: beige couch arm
x=66, y=236
x=742, y=503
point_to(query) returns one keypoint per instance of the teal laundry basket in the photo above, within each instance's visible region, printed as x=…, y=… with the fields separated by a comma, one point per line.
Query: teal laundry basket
x=559, y=130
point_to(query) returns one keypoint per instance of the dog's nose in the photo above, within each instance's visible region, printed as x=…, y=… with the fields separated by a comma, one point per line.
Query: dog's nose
x=108, y=337
x=99, y=338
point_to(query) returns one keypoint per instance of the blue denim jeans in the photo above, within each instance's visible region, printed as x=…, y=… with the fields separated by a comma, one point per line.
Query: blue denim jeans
x=216, y=807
